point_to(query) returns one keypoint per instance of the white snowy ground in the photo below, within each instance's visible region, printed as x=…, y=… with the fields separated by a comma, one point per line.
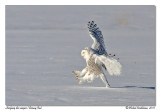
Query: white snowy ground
x=43, y=45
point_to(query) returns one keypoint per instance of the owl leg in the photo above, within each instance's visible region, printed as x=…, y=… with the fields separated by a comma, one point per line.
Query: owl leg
x=83, y=79
x=80, y=73
x=104, y=79
x=76, y=73
x=80, y=80
x=84, y=71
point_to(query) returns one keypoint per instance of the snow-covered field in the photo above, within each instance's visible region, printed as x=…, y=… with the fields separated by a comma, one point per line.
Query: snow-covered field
x=43, y=45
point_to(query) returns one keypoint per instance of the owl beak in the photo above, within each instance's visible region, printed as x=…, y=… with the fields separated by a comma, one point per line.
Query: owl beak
x=82, y=53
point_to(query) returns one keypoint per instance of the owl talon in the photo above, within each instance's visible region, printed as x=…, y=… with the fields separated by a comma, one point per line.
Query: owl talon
x=79, y=81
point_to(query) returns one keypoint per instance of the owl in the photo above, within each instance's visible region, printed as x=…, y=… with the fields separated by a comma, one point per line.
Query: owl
x=97, y=58
x=92, y=70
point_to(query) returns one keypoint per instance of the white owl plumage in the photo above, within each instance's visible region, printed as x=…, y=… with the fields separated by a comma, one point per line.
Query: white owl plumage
x=101, y=56
x=97, y=57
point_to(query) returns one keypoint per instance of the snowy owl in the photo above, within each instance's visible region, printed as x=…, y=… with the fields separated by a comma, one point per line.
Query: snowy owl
x=97, y=57
x=92, y=70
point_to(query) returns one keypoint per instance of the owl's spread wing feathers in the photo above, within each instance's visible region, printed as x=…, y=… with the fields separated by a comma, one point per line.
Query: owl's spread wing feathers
x=112, y=65
x=99, y=52
x=98, y=45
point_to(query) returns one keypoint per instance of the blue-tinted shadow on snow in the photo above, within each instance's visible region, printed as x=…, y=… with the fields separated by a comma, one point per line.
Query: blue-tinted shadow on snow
x=136, y=87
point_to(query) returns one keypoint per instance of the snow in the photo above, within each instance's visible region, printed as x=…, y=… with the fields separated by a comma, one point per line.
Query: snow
x=43, y=45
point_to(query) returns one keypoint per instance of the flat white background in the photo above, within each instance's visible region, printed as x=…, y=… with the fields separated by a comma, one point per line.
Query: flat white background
x=70, y=2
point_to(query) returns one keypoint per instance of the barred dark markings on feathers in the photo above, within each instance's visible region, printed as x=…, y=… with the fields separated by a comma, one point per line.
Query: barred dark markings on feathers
x=93, y=68
x=98, y=45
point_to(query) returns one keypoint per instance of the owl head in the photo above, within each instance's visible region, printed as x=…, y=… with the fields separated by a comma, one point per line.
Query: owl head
x=85, y=53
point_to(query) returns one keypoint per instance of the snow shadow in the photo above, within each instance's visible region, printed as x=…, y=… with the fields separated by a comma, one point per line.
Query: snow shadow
x=137, y=87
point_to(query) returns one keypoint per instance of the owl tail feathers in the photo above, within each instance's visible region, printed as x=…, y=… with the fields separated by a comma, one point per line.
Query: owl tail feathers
x=112, y=65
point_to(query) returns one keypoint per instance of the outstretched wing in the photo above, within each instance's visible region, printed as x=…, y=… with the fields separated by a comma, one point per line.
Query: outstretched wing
x=112, y=65
x=101, y=56
x=98, y=45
